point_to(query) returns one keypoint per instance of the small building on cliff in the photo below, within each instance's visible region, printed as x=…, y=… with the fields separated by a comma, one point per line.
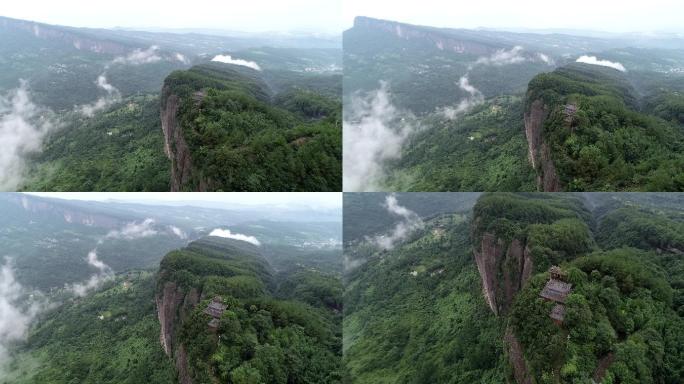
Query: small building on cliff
x=215, y=309
x=557, y=290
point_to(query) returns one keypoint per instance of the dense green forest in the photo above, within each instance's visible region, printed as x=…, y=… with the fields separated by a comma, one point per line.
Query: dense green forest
x=609, y=143
x=284, y=329
x=242, y=135
x=483, y=151
x=111, y=336
x=121, y=149
x=418, y=313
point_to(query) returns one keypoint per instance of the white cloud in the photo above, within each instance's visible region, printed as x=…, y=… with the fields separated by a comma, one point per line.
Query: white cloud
x=178, y=232
x=545, y=58
x=134, y=230
x=113, y=95
x=104, y=273
x=181, y=57
x=237, y=236
x=374, y=133
x=605, y=63
x=411, y=222
x=229, y=60
x=17, y=310
x=475, y=98
x=503, y=57
x=139, y=57
x=23, y=126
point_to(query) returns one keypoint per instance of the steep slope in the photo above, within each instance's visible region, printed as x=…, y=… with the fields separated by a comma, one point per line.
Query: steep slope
x=224, y=130
x=515, y=236
x=622, y=307
x=254, y=336
x=107, y=337
x=585, y=131
x=119, y=149
x=416, y=313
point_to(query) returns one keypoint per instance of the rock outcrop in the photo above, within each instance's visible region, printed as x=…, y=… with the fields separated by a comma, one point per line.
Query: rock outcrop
x=68, y=36
x=514, y=351
x=442, y=41
x=175, y=146
x=173, y=305
x=539, y=152
x=504, y=269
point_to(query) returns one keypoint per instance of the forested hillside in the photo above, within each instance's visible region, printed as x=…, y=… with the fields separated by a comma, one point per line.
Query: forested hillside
x=587, y=131
x=233, y=128
x=460, y=298
x=285, y=330
x=444, y=109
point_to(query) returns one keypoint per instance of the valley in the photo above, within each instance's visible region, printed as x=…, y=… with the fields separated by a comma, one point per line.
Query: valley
x=446, y=109
x=85, y=110
x=116, y=292
x=458, y=296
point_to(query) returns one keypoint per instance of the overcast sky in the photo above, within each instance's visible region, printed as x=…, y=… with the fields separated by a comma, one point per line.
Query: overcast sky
x=609, y=16
x=237, y=15
x=326, y=200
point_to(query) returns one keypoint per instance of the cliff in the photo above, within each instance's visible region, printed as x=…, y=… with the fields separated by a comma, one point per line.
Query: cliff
x=444, y=40
x=225, y=128
x=539, y=152
x=504, y=269
x=70, y=36
x=175, y=147
x=181, y=290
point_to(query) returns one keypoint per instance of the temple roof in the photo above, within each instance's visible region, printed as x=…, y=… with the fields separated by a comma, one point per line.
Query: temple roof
x=556, y=290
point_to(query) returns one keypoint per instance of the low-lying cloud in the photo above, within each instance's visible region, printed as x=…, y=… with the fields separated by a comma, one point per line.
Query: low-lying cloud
x=134, y=230
x=17, y=310
x=139, y=57
x=226, y=233
x=503, y=57
x=227, y=59
x=178, y=232
x=410, y=222
x=474, y=98
x=604, y=63
x=374, y=133
x=104, y=273
x=113, y=96
x=23, y=127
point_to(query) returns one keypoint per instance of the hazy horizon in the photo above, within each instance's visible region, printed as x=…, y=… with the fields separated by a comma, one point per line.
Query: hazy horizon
x=256, y=16
x=580, y=15
x=312, y=200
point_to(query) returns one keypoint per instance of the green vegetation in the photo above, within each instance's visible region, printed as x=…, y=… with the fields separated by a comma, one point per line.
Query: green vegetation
x=417, y=314
x=274, y=330
x=620, y=310
x=121, y=149
x=608, y=144
x=111, y=336
x=239, y=141
x=484, y=150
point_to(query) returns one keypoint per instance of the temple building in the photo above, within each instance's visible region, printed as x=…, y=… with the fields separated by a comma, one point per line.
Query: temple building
x=557, y=290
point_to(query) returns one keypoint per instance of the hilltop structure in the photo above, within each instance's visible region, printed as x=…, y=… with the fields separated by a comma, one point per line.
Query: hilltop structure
x=557, y=290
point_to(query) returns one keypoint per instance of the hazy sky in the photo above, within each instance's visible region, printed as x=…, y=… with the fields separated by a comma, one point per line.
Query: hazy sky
x=327, y=200
x=609, y=16
x=237, y=15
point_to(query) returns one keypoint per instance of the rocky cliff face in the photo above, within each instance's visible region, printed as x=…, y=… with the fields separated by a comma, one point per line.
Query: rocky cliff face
x=441, y=41
x=69, y=213
x=539, y=152
x=504, y=269
x=175, y=146
x=65, y=35
x=173, y=305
